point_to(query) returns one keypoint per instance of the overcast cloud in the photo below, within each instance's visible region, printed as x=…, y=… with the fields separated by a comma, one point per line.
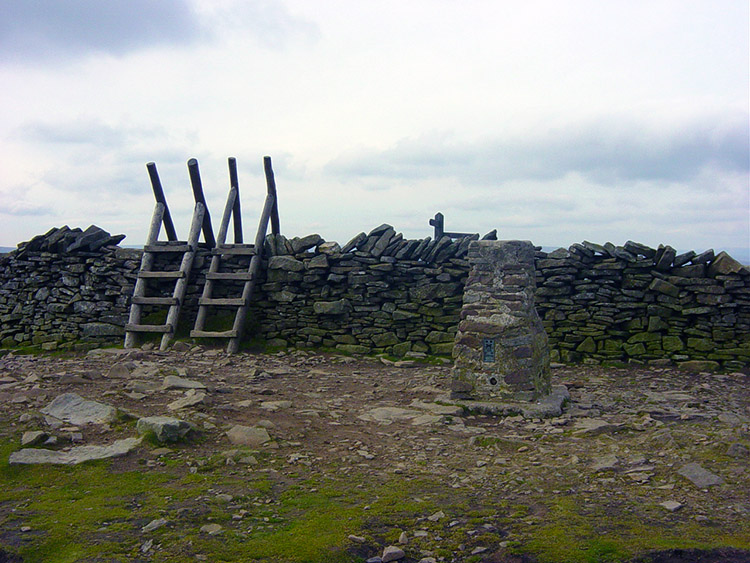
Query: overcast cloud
x=550, y=121
x=36, y=30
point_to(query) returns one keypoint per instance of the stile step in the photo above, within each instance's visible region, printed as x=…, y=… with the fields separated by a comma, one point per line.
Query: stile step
x=229, y=276
x=213, y=334
x=161, y=275
x=234, y=302
x=147, y=328
x=240, y=250
x=156, y=301
x=165, y=248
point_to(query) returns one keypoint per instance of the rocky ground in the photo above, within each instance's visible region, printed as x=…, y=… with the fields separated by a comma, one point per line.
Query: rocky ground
x=307, y=457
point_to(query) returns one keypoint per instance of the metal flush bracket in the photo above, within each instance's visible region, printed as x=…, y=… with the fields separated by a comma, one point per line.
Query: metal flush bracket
x=488, y=350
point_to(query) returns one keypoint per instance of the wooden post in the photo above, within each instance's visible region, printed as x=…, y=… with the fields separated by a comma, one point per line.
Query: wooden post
x=159, y=195
x=228, y=211
x=234, y=182
x=271, y=185
x=185, y=266
x=260, y=236
x=195, y=181
x=147, y=261
x=438, y=223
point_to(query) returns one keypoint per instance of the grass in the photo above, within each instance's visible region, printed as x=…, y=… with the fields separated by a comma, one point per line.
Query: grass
x=576, y=532
x=92, y=511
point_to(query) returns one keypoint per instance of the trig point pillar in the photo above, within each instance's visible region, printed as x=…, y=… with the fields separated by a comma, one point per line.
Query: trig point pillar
x=501, y=350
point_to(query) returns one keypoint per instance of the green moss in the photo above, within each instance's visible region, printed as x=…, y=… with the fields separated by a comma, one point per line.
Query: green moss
x=576, y=532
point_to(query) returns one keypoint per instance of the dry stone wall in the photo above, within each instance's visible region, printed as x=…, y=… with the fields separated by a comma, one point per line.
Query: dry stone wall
x=64, y=286
x=635, y=303
x=383, y=293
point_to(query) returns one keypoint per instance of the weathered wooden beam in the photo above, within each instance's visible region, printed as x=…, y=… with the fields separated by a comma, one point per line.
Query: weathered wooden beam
x=161, y=275
x=222, y=301
x=147, y=328
x=155, y=300
x=229, y=276
x=213, y=334
x=226, y=216
x=246, y=250
x=173, y=248
x=195, y=181
x=159, y=195
x=147, y=262
x=271, y=189
x=438, y=223
x=234, y=182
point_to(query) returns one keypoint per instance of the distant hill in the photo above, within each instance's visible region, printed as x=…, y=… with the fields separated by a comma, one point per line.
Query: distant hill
x=6, y=249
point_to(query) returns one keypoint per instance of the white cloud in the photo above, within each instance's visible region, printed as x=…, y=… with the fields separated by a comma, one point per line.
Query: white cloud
x=553, y=121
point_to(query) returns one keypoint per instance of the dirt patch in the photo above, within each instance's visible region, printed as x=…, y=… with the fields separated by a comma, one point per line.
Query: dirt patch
x=379, y=446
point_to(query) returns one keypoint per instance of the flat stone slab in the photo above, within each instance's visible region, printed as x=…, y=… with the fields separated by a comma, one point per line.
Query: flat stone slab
x=74, y=409
x=595, y=427
x=252, y=436
x=74, y=456
x=389, y=415
x=437, y=408
x=175, y=382
x=548, y=406
x=700, y=477
x=191, y=399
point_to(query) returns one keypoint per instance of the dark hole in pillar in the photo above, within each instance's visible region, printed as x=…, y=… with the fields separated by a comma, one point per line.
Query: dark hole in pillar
x=493, y=381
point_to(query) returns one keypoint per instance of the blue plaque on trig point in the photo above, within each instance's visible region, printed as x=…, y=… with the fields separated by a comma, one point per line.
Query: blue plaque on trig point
x=488, y=350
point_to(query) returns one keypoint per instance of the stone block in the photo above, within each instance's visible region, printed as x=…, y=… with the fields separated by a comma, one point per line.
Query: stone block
x=355, y=349
x=385, y=339
x=340, y=307
x=286, y=263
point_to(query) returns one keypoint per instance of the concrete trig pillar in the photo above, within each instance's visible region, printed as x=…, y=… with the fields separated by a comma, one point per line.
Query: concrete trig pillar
x=501, y=349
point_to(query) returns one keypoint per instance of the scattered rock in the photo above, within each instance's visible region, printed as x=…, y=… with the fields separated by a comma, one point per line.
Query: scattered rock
x=437, y=516
x=75, y=455
x=154, y=525
x=165, y=428
x=388, y=415
x=606, y=463
x=211, y=529
x=274, y=406
x=392, y=553
x=671, y=505
x=700, y=477
x=594, y=427
x=175, y=382
x=191, y=399
x=738, y=450
x=74, y=409
x=33, y=438
x=252, y=436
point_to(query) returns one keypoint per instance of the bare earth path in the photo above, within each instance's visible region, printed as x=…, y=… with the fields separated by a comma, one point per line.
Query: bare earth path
x=365, y=454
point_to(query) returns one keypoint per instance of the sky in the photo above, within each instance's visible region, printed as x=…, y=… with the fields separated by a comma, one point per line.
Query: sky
x=551, y=121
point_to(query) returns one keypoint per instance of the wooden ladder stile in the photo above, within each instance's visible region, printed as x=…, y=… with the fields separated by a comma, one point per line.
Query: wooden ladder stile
x=222, y=249
x=180, y=277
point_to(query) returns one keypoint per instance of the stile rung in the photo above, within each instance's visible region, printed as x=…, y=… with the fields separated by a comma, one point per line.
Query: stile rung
x=180, y=248
x=156, y=301
x=213, y=334
x=232, y=302
x=161, y=275
x=229, y=276
x=237, y=250
x=147, y=328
